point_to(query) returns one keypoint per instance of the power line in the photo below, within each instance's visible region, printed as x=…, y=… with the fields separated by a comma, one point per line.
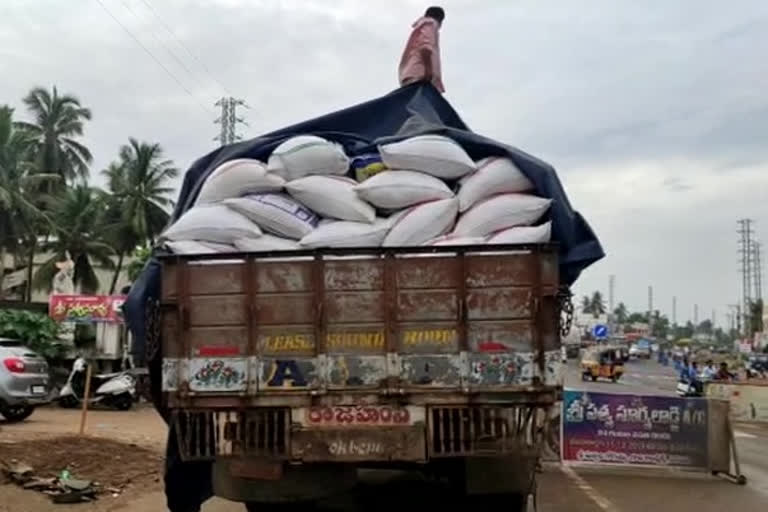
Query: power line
x=162, y=43
x=186, y=48
x=152, y=55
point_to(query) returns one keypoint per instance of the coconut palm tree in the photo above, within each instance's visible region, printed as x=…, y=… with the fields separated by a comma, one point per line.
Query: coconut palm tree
x=138, y=202
x=597, y=304
x=57, y=123
x=18, y=215
x=621, y=313
x=586, y=305
x=76, y=216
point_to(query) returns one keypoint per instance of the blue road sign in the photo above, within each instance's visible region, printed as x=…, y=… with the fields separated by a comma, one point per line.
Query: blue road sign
x=600, y=331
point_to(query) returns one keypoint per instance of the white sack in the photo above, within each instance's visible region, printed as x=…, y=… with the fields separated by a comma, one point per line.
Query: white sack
x=211, y=223
x=331, y=196
x=423, y=222
x=197, y=247
x=501, y=212
x=277, y=213
x=266, y=242
x=348, y=234
x=401, y=189
x=237, y=178
x=456, y=240
x=433, y=154
x=494, y=175
x=306, y=154
x=523, y=235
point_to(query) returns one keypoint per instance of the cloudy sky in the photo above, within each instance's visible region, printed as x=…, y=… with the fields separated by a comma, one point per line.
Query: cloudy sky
x=655, y=113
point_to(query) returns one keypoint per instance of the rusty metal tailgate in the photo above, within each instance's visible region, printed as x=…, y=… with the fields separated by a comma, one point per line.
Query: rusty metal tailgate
x=385, y=320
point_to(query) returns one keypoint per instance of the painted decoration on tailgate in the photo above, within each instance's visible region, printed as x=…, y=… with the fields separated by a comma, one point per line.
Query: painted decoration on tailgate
x=356, y=371
x=502, y=369
x=289, y=373
x=431, y=370
x=218, y=374
x=170, y=374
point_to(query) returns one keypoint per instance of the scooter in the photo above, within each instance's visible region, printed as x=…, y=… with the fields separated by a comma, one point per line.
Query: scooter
x=687, y=390
x=116, y=390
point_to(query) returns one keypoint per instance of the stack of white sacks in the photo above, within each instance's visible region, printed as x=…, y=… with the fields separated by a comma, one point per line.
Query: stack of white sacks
x=431, y=193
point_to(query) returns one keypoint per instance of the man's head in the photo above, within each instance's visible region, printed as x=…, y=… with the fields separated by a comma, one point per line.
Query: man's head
x=436, y=13
x=694, y=364
x=709, y=362
x=724, y=366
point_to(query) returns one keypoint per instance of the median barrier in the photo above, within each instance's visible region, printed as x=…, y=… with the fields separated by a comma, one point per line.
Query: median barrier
x=748, y=400
x=647, y=431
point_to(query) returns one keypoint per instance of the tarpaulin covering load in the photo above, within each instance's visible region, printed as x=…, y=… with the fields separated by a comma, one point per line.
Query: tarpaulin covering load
x=416, y=109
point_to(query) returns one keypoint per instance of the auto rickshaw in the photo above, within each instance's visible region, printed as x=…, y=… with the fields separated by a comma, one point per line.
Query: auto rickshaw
x=605, y=362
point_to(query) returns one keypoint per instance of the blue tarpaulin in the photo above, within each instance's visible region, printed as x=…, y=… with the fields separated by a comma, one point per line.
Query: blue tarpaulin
x=412, y=110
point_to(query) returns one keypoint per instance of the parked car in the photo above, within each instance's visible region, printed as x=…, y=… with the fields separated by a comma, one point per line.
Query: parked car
x=23, y=380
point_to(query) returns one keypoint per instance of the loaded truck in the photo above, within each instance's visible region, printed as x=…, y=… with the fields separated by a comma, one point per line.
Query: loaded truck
x=292, y=370
x=289, y=371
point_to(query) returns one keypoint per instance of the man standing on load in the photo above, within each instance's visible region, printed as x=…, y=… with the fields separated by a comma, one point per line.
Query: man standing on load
x=421, y=57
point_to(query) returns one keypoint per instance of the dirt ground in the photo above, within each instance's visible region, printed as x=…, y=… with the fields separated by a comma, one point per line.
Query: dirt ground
x=121, y=451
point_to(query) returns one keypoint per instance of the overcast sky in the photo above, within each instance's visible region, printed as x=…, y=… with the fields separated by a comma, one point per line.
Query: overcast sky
x=655, y=113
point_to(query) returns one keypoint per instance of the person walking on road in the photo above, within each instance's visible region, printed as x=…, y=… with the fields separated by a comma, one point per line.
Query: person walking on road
x=421, y=58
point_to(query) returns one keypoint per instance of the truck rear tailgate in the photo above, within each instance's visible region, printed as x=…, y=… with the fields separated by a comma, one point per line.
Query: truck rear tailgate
x=377, y=321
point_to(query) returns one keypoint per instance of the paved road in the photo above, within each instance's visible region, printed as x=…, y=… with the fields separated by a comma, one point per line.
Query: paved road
x=560, y=489
x=627, y=491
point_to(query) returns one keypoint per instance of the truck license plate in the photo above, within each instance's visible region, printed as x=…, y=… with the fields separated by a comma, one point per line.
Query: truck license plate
x=38, y=390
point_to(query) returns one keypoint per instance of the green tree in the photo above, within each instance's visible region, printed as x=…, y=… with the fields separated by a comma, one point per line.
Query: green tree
x=77, y=230
x=18, y=214
x=138, y=200
x=597, y=304
x=140, y=258
x=586, y=305
x=621, y=313
x=58, y=122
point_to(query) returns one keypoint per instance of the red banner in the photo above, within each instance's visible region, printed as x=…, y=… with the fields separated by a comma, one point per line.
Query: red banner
x=86, y=309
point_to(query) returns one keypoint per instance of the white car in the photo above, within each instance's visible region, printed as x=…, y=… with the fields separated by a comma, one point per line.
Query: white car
x=639, y=352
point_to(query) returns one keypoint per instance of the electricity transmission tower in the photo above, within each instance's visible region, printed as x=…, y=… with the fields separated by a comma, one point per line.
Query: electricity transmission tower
x=229, y=120
x=758, y=270
x=748, y=252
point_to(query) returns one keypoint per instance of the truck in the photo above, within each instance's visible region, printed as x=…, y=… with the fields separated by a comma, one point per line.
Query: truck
x=292, y=370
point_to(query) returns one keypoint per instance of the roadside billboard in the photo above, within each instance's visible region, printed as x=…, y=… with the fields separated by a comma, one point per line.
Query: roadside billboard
x=86, y=308
x=638, y=430
x=749, y=402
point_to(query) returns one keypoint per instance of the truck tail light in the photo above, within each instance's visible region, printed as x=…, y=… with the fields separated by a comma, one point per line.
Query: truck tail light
x=14, y=365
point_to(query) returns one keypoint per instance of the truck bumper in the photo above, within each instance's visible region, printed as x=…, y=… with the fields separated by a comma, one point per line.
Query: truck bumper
x=424, y=433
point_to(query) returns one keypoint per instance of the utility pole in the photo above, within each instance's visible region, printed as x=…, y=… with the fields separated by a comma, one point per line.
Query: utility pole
x=650, y=310
x=714, y=319
x=695, y=316
x=674, y=311
x=747, y=275
x=611, y=286
x=228, y=120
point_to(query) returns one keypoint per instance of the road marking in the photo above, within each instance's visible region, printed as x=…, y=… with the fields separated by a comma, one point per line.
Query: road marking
x=601, y=501
x=739, y=434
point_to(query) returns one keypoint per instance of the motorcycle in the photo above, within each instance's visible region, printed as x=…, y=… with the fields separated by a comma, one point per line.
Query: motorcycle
x=116, y=390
